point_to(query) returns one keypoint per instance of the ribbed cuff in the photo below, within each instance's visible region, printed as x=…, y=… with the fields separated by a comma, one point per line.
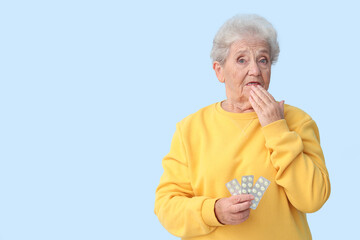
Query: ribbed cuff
x=275, y=129
x=208, y=213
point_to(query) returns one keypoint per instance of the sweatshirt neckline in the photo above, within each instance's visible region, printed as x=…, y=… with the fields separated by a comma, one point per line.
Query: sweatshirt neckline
x=248, y=115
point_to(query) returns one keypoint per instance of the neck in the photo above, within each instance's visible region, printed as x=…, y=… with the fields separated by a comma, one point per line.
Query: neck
x=236, y=107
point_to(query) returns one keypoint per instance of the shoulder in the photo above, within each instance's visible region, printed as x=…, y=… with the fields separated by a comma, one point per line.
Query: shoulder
x=295, y=117
x=294, y=112
x=197, y=118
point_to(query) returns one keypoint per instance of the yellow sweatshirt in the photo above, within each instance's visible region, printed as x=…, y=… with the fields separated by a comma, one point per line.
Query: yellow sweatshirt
x=212, y=147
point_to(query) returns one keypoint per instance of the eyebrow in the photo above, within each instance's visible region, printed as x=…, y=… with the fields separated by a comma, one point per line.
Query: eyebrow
x=241, y=51
x=264, y=51
x=245, y=51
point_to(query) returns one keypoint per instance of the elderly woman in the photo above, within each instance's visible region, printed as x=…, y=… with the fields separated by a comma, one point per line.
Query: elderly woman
x=249, y=133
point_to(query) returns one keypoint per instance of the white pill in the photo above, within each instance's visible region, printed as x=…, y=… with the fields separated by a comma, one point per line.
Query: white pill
x=257, y=185
x=231, y=190
x=262, y=189
x=250, y=185
x=259, y=194
x=243, y=185
x=266, y=183
x=250, y=179
x=235, y=193
x=257, y=199
x=244, y=179
x=261, y=180
x=234, y=182
x=254, y=190
x=253, y=205
x=244, y=191
x=237, y=187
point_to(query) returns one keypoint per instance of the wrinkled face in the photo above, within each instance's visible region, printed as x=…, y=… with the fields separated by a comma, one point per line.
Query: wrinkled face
x=248, y=63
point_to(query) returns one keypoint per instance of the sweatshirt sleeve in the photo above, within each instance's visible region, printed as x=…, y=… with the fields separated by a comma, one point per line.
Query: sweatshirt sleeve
x=179, y=211
x=299, y=162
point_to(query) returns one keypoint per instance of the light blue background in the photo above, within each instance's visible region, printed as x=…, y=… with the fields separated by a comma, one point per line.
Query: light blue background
x=90, y=92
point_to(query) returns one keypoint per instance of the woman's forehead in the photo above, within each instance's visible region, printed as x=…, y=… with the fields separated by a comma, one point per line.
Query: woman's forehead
x=250, y=44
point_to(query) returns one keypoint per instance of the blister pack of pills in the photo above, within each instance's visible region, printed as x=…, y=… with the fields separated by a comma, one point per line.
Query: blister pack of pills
x=247, y=184
x=234, y=187
x=247, y=187
x=258, y=191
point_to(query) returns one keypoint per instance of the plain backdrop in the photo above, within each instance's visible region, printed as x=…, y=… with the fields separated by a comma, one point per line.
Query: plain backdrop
x=90, y=92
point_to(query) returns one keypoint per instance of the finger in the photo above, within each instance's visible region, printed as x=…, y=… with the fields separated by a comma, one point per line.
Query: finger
x=281, y=103
x=243, y=219
x=266, y=93
x=263, y=94
x=255, y=105
x=240, y=216
x=239, y=207
x=257, y=99
x=241, y=198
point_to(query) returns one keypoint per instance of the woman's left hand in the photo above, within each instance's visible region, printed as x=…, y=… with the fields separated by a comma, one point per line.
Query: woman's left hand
x=265, y=106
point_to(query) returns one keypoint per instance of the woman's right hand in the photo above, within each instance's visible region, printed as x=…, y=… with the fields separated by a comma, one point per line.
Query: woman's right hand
x=233, y=210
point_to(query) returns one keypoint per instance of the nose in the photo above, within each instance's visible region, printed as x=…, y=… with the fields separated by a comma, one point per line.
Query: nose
x=254, y=69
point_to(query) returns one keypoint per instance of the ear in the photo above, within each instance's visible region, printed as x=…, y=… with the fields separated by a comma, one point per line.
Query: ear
x=218, y=71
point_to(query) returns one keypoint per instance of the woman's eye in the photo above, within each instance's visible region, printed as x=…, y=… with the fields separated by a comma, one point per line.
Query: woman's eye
x=241, y=60
x=264, y=61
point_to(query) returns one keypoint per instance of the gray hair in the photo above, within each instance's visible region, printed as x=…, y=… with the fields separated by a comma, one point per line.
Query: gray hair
x=240, y=27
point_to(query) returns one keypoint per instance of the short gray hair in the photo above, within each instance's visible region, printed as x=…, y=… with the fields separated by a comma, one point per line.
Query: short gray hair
x=240, y=27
